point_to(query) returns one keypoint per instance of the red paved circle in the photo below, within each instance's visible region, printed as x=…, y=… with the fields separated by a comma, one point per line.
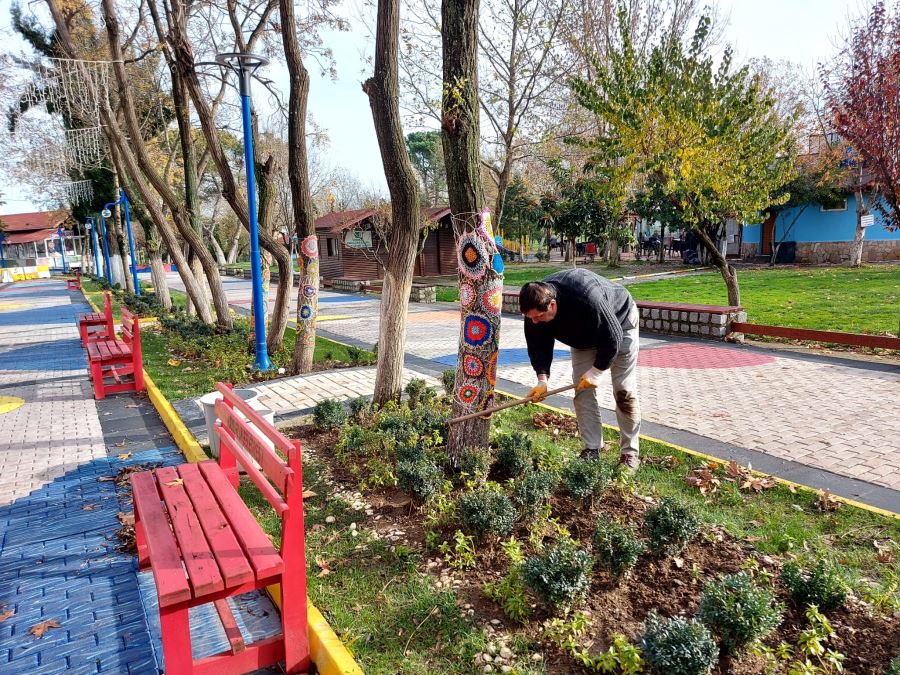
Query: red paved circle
x=700, y=356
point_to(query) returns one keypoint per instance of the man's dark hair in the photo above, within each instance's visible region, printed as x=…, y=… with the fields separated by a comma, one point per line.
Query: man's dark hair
x=536, y=295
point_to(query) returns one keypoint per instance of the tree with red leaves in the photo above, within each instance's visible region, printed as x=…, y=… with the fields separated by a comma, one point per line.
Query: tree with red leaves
x=863, y=91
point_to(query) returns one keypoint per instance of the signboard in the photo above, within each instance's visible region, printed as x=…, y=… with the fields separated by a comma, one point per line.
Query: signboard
x=106, y=213
x=358, y=239
x=867, y=221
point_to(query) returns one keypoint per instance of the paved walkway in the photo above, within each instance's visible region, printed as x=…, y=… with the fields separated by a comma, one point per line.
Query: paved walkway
x=829, y=414
x=61, y=570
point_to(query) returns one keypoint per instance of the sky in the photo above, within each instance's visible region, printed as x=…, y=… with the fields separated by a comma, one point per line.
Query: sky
x=803, y=31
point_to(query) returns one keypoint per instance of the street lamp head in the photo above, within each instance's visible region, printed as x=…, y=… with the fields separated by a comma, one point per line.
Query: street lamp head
x=244, y=64
x=243, y=60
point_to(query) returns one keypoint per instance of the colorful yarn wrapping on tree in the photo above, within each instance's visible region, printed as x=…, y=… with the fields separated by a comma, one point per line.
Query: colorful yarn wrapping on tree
x=489, y=400
x=492, y=300
x=477, y=330
x=466, y=294
x=473, y=257
x=310, y=247
x=472, y=365
x=309, y=291
x=305, y=312
x=309, y=338
x=468, y=393
x=492, y=369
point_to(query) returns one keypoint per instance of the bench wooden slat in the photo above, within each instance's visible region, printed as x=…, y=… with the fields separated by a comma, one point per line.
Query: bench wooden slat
x=229, y=625
x=229, y=555
x=254, y=446
x=108, y=350
x=171, y=583
x=203, y=572
x=263, y=557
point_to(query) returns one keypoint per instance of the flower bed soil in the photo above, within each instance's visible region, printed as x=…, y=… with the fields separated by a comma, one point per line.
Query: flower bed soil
x=671, y=586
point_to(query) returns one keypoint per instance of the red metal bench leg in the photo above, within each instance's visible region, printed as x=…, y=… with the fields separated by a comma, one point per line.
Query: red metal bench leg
x=82, y=330
x=140, y=540
x=176, y=639
x=97, y=377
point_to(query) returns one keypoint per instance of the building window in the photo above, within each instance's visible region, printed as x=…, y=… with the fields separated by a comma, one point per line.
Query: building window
x=330, y=244
x=837, y=204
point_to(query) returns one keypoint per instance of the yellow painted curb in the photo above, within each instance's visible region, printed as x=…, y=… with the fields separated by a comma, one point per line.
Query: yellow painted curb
x=335, y=317
x=10, y=403
x=184, y=439
x=713, y=458
x=326, y=649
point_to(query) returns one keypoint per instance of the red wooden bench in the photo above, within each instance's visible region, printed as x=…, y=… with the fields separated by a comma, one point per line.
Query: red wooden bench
x=203, y=544
x=97, y=326
x=118, y=360
x=74, y=284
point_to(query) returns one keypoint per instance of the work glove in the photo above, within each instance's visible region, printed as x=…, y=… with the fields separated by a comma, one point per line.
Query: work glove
x=589, y=380
x=538, y=393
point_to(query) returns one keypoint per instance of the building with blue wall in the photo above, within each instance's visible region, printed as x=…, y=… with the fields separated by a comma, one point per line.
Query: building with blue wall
x=822, y=234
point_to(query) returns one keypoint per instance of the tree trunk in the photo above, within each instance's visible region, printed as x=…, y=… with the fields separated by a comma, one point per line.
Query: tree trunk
x=406, y=216
x=298, y=174
x=856, y=246
x=158, y=277
x=478, y=348
x=570, y=252
x=234, y=249
x=177, y=209
x=729, y=274
x=662, y=243
x=216, y=247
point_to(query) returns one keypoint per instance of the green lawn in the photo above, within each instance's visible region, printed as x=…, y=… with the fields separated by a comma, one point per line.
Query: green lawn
x=862, y=300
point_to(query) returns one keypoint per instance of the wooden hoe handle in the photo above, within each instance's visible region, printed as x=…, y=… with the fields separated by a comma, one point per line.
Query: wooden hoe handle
x=504, y=406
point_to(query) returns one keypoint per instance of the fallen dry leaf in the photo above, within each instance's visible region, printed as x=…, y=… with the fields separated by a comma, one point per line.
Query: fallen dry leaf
x=39, y=629
x=8, y=613
x=704, y=480
x=174, y=362
x=120, y=444
x=125, y=455
x=827, y=501
x=126, y=518
x=132, y=405
x=88, y=507
x=679, y=562
x=309, y=493
x=885, y=557
x=324, y=569
x=106, y=479
x=176, y=482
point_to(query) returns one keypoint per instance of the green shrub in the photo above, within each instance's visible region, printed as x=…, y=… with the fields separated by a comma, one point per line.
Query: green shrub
x=429, y=420
x=360, y=407
x=560, y=576
x=448, y=379
x=616, y=547
x=474, y=462
x=670, y=526
x=509, y=592
x=416, y=389
x=359, y=442
x=421, y=479
x=738, y=611
x=514, y=454
x=822, y=585
x=487, y=511
x=410, y=450
x=355, y=354
x=893, y=667
x=678, y=646
x=533, y=489
x=329, y=414
x=584, y=478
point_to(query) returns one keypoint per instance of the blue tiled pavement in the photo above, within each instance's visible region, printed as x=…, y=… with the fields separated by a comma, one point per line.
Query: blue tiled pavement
x=508, y=357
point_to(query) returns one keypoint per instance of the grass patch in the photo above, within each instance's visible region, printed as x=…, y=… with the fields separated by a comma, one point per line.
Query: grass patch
x=860, y=300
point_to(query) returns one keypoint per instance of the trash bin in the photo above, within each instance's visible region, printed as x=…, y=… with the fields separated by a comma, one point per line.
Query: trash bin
x=207, y=404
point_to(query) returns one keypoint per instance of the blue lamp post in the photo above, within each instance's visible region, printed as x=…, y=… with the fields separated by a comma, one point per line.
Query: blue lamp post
x=245, y=65
x=61, y=233
x=104, y=214
x=3, y=249
x=92, y=227
x=124, y=199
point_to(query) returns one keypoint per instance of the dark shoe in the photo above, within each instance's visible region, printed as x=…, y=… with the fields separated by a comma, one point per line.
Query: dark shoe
x=630, y=461
x=589, y=454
